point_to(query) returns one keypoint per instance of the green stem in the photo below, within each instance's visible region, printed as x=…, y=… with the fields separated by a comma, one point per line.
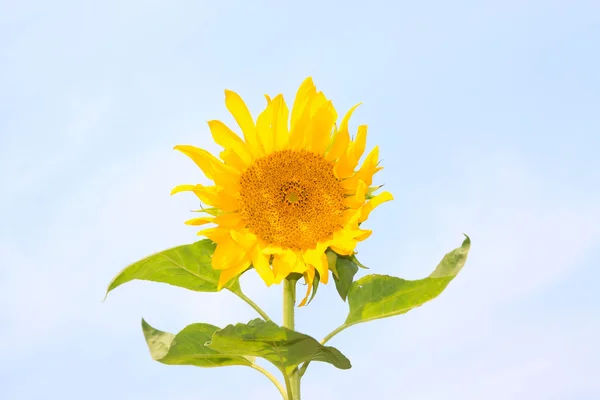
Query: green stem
x=289, y=303
x=272, y=378
x=335, y=332
x=325, y=340
x=252, y=304
x=303, y=369
x=288, y=385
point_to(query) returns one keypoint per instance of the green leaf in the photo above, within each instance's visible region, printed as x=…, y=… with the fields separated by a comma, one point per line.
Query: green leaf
x=345, y=270
x=188, y=347
x=380, y=296
x=188, y=266
x=283, y=347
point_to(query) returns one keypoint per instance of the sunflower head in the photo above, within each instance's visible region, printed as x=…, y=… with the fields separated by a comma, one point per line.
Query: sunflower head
x=286, y=192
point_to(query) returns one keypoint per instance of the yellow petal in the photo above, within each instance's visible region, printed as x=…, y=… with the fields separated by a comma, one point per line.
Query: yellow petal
x=227, y=255
x=348, y=161
x=341, y=138
x=309, y=277
x=280, y=123
x=316, y=258
x=199, y=221
x=303, y=128
x=211, y=195
x=323, y=268
x=300, y=266
x=207, y=194
x=226, y=138
x=227, y=202
x=374, y=202
x=364, y=234
x=260, y=262
x=365, y=173
x=264, y=132
x=343, y=168
x=339, y=145
x=232, y=158
x=203, y=159
x=231, y=220
x=283, y=264
x=346, y=119
x=306, y=92
x=369, y=167
x=246, y=239
x=240, y=112
x=317, y=102
x=350, y=217
x=299, y=131
x=343, y=242
x=224, y=175
x=182, y=188
x=358, y=199
x=230, y=273
x=271, y=249
x=360, y=143
x=320, y=127
x=301, y=116
x=217, y=234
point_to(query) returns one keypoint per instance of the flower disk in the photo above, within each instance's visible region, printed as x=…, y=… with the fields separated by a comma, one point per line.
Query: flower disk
x=292, y=199
x=288, y=191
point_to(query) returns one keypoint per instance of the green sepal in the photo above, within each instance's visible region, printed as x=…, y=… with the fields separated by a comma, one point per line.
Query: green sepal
x=316, y=281
x=214, y=211
x=355, y=261
x=295, y=276
x=371, y=192
x=344, y=270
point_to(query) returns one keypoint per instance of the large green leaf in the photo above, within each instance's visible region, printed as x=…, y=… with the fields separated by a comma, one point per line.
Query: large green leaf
x=188, y=266
x=283, y=347
x=188, y=347
x=380, y=296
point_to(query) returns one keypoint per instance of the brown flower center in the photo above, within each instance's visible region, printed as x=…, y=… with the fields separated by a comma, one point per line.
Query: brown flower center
x=291, y=198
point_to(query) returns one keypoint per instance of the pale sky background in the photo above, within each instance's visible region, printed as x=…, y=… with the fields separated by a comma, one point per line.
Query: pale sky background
x=487, y=114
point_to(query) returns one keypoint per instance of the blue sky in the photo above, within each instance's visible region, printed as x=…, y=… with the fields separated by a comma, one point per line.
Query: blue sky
x=486, y=114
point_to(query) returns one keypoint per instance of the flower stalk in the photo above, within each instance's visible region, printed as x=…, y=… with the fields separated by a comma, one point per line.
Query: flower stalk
x=289, y=304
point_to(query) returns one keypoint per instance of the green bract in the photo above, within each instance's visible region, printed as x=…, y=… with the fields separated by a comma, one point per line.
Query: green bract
x=344, y=270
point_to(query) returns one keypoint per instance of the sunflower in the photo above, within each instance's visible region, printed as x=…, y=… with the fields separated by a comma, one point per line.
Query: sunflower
x=288, y=191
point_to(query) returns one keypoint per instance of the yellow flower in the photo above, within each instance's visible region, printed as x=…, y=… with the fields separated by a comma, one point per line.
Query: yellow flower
x=288, y=191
